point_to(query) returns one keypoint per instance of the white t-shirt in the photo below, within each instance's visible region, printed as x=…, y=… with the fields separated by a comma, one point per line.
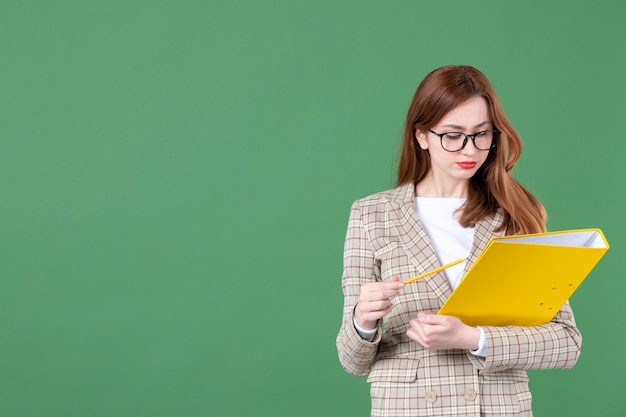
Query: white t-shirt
x=450, y=240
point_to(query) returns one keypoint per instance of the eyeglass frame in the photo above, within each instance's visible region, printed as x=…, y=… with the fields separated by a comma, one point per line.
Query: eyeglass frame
x=495, y=132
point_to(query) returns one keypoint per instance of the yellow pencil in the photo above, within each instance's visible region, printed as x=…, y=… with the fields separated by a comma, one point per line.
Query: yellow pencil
x=441, y=268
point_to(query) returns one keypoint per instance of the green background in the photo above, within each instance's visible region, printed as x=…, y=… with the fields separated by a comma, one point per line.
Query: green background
x=176, y=178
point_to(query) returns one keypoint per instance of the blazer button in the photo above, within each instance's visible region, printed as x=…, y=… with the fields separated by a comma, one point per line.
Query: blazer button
x=470, y=394
x=431, y=397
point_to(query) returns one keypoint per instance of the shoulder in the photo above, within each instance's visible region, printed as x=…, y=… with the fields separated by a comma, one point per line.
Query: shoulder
x=385, y=208
x=398, y=196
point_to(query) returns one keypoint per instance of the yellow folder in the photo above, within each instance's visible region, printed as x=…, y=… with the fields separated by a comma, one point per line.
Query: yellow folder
x=524, y=280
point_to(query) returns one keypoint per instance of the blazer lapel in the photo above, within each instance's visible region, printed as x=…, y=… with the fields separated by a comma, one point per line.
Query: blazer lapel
x=483, y=232
x=418, y=246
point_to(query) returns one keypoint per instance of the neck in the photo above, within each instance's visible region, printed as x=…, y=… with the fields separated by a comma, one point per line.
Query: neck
x=428, y=187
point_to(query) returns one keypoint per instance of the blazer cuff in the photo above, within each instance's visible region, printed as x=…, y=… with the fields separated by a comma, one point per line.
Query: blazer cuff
x=366, y=334
x=482, y=344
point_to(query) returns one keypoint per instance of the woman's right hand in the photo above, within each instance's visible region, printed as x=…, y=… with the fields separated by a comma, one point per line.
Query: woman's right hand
x=375, y=302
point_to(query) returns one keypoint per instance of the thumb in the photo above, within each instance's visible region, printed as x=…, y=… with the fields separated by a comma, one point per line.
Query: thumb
x=399, y=281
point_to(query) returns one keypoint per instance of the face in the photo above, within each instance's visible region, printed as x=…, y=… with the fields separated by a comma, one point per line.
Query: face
x=451, y=168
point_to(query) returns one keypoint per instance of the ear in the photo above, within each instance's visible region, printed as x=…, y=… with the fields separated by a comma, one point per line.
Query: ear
x=420, y=136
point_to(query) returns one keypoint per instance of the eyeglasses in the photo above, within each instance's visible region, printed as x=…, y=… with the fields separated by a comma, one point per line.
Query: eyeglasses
x=455, y=141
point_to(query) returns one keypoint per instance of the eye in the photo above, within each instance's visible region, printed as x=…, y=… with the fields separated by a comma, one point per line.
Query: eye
x=454, y=136
x=481, y=134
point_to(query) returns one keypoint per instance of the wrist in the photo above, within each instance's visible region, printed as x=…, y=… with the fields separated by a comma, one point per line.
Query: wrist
x=366, y=325
x=482, y=344
x=473, y=338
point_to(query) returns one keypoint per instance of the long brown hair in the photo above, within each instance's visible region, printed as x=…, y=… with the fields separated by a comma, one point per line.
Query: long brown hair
x=493, y=186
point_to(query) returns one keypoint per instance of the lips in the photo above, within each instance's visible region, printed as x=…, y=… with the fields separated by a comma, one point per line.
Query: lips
x=467, y=164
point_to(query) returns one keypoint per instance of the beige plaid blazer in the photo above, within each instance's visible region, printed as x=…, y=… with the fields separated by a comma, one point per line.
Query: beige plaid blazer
x=384, y=240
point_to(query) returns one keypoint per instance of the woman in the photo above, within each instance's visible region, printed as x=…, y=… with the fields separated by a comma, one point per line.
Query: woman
x=454, y=193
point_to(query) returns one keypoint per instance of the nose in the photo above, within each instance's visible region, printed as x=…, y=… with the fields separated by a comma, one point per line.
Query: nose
x=469, y=148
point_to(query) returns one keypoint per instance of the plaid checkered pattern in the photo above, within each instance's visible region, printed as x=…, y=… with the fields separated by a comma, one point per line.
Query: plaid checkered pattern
x=386, y=240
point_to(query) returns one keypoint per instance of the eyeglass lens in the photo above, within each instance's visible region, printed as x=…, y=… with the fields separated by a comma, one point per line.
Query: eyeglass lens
x=455, y=141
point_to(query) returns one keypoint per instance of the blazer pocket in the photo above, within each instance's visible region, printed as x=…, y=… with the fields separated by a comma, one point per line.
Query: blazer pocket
x=394, y=370
x=509, y=375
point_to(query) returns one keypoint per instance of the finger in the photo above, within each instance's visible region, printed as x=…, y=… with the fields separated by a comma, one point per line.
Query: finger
x=376, y=305
x=426, y=335
x=373, y=305
x=379, y=295
x=398, y=281
x=415, y=332
x=394, y=284
x=427, y=317
x=375, y=315
x=412, y=335
x=417, y=328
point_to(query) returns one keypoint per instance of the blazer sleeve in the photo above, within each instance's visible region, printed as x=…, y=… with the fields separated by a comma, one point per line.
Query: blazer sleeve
x=356, y=355
x=553, y=345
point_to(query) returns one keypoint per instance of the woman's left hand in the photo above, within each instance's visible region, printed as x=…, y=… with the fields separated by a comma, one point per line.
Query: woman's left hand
x=436, y=332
